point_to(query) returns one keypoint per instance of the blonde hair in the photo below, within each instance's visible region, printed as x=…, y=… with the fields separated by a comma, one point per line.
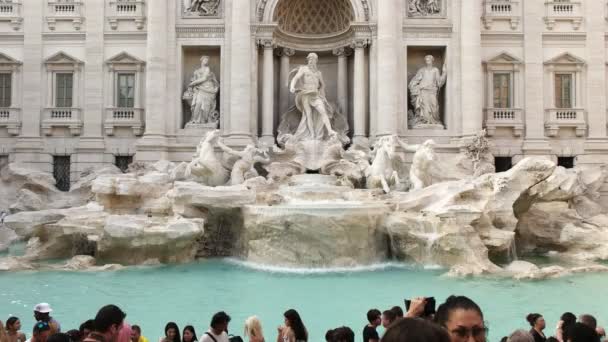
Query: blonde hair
x=253, y=327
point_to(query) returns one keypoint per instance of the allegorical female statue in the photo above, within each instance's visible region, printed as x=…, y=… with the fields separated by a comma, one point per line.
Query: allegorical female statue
x=203, y=89
x=424, y=88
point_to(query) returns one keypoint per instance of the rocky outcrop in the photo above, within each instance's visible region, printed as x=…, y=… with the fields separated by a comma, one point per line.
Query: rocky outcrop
x=132, y=239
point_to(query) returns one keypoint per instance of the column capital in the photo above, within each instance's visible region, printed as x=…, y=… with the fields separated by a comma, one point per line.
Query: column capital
x=266, y=43
x=342, y=52
x=359, y=43
x=285, y=52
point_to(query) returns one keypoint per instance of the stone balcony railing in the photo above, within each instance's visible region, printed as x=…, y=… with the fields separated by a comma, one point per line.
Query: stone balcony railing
x=9, y=118
x=124, y=117
x=11, y=12
x=504, y=117
x=64, y=11
x=127, y=10
x=556, y=118
x=497, y=10
x=61, y=117
x=563, y=10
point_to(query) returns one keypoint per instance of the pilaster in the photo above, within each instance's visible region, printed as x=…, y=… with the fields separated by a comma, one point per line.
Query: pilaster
x=471, y=73
x=535, y=142
x=268, y=92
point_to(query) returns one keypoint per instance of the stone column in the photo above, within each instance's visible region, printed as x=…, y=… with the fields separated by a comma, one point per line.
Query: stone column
x=29, y=145
x=535, y=141
x=389, y=51
x=472, y=76
x=342, y=79
x=268, y=92
x=285, y=54
x=359, y=95
x=153, y=146
x=240, y=44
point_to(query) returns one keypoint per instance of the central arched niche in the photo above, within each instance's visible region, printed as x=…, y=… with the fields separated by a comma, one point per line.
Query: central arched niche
x=314, y=17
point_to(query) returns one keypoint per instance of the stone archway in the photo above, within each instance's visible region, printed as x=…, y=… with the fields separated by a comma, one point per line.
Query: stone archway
x=265, y=9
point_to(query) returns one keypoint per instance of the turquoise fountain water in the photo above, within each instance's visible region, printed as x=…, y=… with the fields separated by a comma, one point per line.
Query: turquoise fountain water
x=190, y=294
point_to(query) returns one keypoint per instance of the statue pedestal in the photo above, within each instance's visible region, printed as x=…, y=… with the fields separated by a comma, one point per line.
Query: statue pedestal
x=193, y=133
x=429, y=126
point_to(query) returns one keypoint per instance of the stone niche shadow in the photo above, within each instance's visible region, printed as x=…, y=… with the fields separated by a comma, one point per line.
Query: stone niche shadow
x=415, y=61
x=191, y=61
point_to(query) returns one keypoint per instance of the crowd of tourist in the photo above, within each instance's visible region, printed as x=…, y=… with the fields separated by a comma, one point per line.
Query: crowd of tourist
x=457, y=319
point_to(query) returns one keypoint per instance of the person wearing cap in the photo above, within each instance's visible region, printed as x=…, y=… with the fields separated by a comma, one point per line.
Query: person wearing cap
x=108, y=324
x=41, y=332
x=42, y=312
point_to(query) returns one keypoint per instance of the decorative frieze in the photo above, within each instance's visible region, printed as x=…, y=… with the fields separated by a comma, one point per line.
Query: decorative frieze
x=216, y=32
x=202, y=8
x=425, y=8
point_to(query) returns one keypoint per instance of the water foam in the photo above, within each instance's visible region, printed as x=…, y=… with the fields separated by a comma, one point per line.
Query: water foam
x=324, y=270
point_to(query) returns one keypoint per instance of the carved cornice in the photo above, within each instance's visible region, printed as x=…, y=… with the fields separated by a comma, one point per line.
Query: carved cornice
x=200, y=32
x=64, y=36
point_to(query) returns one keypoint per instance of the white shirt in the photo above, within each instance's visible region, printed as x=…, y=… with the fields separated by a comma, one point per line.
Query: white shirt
x=218, y=338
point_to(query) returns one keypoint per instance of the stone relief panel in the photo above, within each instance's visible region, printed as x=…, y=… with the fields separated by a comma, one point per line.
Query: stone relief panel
x=202, y=8
x=425, y=8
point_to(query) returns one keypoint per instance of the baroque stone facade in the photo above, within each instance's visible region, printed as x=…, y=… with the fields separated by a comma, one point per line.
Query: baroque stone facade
x=102, y=82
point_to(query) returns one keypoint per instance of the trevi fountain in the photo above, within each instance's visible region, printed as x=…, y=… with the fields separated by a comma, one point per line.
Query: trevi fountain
x=314, y=213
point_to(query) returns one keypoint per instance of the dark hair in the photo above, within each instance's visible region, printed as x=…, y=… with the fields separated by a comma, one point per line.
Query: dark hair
x=581, y=332
x=10, y=321
x=296, y=324
x=341, y=334
x=589, y=320
x=415, y=330
x=397, y=310
x=41, y=326
x=136, y=327
x=552, y=339
x=373, y=315
x=219, y=318
x=568, y=318
x=172, y=325
x=75, y=335
x=455, y=303
x=532, y=318
x=59, y=337
x=107, y=316
x=88, y=325
x=390, y=315
x=191, y=329
x=504, y=339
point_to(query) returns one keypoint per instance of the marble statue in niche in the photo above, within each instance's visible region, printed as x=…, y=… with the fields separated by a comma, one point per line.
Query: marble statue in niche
x=201, y=95
x=204, y=8
x=309, y=88
x=313, y=124
x=424, y=8
x=424, y=89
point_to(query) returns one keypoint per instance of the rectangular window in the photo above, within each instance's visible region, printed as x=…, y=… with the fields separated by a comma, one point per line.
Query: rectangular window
x=61, y=172
x=567, y=162
x=126, y=91
x=502, y=90
x=123, y=162
x=503, y=164
x=5, y=90
x=564, y=91
x=64, y=90
x=3, y=161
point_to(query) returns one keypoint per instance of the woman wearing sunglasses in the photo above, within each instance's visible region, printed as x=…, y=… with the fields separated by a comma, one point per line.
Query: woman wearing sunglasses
x=463, y=319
